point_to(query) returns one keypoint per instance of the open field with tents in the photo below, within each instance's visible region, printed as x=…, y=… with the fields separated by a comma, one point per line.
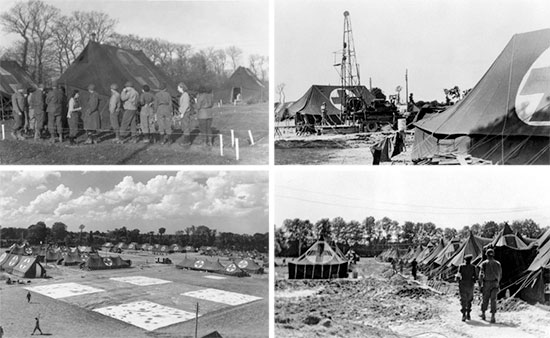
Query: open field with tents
x=240, y=119
x=375, y=301
x=149, y=299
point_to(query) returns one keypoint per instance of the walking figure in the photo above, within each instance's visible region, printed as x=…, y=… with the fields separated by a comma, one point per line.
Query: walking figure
x=489, y=276
x=37, y=326
x=28, y=296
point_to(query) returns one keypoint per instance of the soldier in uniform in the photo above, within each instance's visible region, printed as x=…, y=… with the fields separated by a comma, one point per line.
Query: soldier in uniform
x=54, y=102
x=163, y=109
x=490, y=273
x=186, y=112
x=130, y=100
x=466, y=277
x=204, y=108
x=73, y=115
x=115, y=106
x=147, y=114
x=19, y=106
x=91, y=115
x=37, y=103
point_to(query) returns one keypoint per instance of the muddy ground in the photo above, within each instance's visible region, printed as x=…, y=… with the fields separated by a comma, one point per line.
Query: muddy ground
x=73, y=316
x=335, y=149
x=380, y=303
x=240, y=119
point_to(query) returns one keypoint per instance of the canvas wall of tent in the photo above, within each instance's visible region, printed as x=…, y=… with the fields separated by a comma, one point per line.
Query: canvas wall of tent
x=103, y=65
x=200, y=264
x=308, y=108
x=320, y=261
x=242, y=84
x=21, y=266
x=505, y=118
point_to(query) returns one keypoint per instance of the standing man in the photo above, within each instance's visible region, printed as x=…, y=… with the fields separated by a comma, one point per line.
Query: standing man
x=185, y=111
x=73, y=115
x=490, y=274
x=466, y=277
x=37, y=105
x=54, y=101
x=146, y=114
x=115, y=106
x=414, y=268
x=28, y=296
x=37, y=326
x=19, y=105
x=163, y=109
x=130, y=99
x=204, y=107
x=91, y=115
x=30, y=122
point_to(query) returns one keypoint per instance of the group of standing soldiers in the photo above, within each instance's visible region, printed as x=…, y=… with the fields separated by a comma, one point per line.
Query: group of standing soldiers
x=124, y=109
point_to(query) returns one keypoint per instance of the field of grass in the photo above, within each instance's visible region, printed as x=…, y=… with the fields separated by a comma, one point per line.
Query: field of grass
x=74, y=316
x=227, y=118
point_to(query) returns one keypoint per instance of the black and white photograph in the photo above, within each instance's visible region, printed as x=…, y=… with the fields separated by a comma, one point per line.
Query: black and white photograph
x=134, y=253
x=435, y=253
x=411, y=82
x=134, y=82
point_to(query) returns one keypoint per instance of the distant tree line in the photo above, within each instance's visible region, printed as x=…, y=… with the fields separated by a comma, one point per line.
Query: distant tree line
x=50, y=41
x=195, y=236
x=371, y=236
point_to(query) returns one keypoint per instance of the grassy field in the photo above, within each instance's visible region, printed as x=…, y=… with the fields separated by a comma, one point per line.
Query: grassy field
x=227, y=118
x=74, y=316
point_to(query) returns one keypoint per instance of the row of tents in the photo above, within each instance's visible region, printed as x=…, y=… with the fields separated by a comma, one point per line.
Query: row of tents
x=147, y=247
x=103, y=65
x=525, y=262
x=241, y=268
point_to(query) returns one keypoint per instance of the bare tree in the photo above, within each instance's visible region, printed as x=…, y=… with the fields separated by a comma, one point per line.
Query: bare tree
x=18, y=20
x=66, y=41
x=259, y=65
x=96, y=22
x=234, y=53
x=43, y=17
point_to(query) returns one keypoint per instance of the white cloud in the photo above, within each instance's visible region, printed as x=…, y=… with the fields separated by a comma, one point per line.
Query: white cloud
x=47, y=202
x=14, y=182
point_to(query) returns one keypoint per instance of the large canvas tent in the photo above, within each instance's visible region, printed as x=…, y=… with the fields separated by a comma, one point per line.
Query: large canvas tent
x=536, y=282
x=11, y=76
x=103, y=65
x=29, y=267
x=506, y=117
x=320, y=261
x=244, y=82
x=96, y=262
x=308, y=107
x=249, y=265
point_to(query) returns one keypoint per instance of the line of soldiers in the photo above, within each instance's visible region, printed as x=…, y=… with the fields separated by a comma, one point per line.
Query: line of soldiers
x=125, y=108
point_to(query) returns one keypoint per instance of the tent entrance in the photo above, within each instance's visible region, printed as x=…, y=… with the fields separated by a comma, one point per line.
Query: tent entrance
x=236, y=94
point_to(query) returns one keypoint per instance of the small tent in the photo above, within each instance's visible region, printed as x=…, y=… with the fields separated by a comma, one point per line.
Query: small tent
x=29, y=267
x=187, y=263
x=232, y=269
x=242, y=84
x=70, y=258
x=96, y=262
x=429, y=259
x=505, y=118
x=103, y=65
x=308, y=107
x=320, y=261
x=53, y=254
x=24, y=249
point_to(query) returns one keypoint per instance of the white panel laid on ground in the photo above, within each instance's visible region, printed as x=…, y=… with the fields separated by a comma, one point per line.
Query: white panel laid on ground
x=140, y=280
x=215, y=277
x=221, y=296
x=63, y=290
x=146, y=315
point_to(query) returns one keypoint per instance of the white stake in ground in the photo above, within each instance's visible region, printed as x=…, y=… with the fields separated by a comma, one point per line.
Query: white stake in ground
x=3, y=133
x=251, y=138
x=232, y=138
x=237, y=148
x=221, y=145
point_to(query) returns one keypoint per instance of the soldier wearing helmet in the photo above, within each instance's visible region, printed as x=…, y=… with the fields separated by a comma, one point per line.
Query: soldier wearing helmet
x=490, y=274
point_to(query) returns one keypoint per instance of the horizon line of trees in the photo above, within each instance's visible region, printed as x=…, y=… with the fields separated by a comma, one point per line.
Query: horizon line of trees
x=50, y=41
x=372, y=235
x=196, y=236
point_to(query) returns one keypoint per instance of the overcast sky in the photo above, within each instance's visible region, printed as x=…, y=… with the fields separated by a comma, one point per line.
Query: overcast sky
x=227, y=201
x=201, y=24
x=449, y=197
x=442, y=43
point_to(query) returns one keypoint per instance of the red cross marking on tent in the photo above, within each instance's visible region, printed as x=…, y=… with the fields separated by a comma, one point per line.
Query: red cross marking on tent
x=3, y=256
x=13, y=261
x=538, y=83
x=231, y=267
x=338, y=96
x=108, y=261
x=199, y=264
x=243, y=264
x=24, y=264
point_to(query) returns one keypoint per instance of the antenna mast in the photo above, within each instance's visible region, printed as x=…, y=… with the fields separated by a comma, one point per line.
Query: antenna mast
x=347, y=67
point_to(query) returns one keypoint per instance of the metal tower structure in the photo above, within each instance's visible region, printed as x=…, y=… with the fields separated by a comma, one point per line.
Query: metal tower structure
x=347, y=66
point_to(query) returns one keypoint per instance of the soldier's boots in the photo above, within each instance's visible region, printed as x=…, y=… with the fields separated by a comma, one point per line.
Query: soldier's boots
x=463, y=316
x=468, y=316
x=493, y=320
x=36, y=135
x=482, y=315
